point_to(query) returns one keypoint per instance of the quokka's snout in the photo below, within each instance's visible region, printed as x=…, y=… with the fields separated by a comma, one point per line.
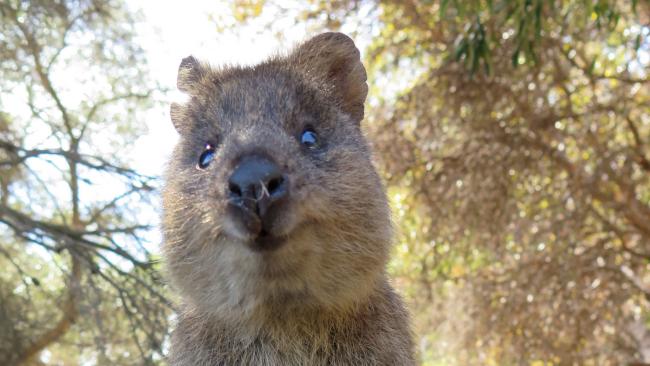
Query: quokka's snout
x=257, y=191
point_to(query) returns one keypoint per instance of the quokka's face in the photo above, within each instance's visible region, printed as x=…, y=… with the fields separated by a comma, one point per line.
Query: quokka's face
x=271, y=194
x=263, y=156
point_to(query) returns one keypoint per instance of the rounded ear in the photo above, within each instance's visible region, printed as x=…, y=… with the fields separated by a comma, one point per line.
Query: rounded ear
x=190, y=73
x=334, y=59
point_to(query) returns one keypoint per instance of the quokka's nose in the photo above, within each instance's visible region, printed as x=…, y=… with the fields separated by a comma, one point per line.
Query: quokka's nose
x=257, y=183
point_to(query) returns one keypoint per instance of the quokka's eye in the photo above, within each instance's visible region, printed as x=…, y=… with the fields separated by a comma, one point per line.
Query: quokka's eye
x=309, y=138
x=206, y=156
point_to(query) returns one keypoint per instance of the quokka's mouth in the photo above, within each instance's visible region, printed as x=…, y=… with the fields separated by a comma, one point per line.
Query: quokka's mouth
x=259, y=234
x=267, y=242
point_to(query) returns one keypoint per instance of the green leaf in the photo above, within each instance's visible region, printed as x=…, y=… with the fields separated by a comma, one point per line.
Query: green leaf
x=461, y=50
x=538, y=20
x=443, y=8
x=590, y=69
x=515, y=57
x=530, y=52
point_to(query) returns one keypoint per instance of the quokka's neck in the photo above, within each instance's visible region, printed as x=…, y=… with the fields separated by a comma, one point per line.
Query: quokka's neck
x=291, y=318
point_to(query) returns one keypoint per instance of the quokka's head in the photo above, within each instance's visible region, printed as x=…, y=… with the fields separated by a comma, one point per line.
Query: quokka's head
x=270, y=195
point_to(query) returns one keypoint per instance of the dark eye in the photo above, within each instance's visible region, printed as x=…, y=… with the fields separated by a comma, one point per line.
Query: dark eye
x=309, y=138
x=206, y=156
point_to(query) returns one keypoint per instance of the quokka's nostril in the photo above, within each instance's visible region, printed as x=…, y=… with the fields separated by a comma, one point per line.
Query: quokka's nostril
x=234, y=189
x=257, y=179
x=274, y=184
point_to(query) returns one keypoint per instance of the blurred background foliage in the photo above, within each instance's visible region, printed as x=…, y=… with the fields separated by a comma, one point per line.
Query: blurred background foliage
x=514, y=136
x=79, y=283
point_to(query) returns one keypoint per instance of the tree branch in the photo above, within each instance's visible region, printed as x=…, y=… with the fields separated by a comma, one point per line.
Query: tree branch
x=69, y=316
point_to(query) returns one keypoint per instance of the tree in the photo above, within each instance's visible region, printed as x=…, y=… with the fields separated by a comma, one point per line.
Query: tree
x=81, y=279
x=534, y=179
x=515, y=139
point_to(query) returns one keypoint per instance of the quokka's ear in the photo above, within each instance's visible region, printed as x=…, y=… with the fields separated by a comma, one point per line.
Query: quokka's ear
x=334, y=59
x=190, y=73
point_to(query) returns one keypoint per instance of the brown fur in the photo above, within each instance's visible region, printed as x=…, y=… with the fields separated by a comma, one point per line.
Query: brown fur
x=322, y=298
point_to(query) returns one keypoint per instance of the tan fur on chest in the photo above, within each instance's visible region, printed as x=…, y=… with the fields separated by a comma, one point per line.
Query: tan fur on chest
x=372, y=334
